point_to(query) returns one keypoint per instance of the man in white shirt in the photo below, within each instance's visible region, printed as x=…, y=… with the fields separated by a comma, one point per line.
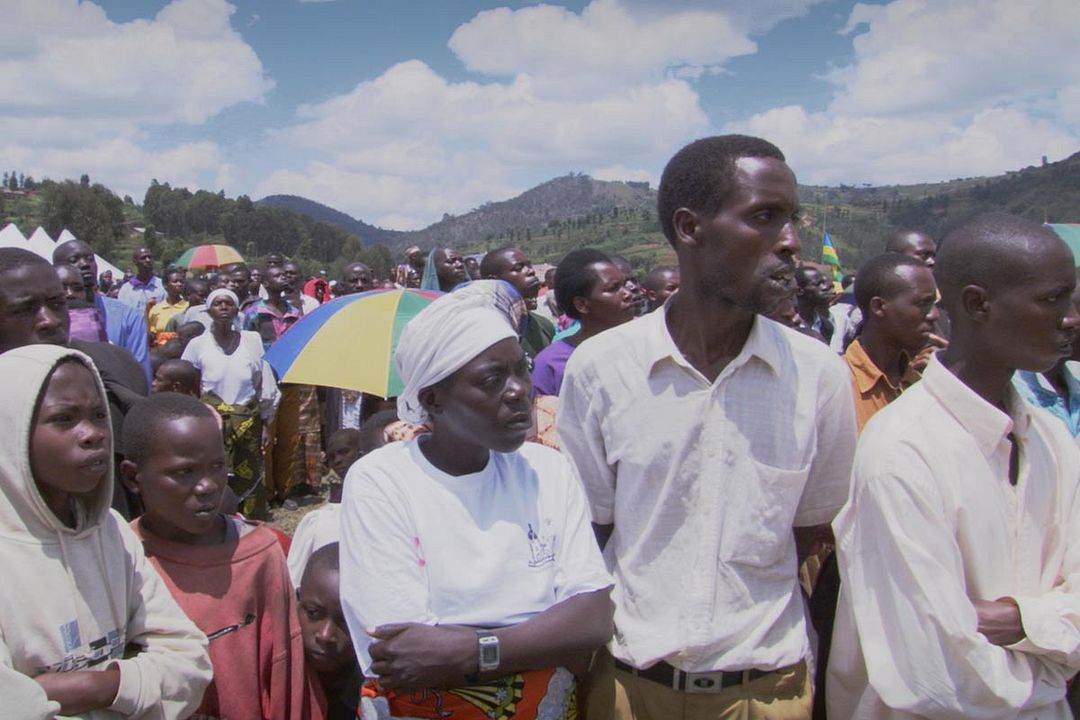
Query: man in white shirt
x=959, y=550
x=704, y=433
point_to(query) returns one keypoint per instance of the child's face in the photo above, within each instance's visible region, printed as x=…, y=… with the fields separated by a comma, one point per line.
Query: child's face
x=341, y=454
x=181, y=482
x=71, y=438
x=327, y=644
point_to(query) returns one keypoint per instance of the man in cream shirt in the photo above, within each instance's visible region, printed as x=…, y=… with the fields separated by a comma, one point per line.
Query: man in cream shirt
x=706, y=436
x=959, y=550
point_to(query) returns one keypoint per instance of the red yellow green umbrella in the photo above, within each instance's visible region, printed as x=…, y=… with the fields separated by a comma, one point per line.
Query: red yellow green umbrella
x=202, y=257
x=349, y=342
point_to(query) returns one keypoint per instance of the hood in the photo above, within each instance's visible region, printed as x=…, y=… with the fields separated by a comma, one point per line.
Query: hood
x=23, y=511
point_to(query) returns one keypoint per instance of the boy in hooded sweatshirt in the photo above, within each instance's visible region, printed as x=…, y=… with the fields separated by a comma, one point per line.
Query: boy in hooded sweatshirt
x=227, y=573
x=87, y=627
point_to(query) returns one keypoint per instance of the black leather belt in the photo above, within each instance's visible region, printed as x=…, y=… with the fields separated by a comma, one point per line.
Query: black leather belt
x=695, y=682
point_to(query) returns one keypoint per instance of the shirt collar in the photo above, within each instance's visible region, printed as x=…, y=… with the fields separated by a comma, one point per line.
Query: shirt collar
x=136, y=282
x=867, y=374
x=763, y=343
x=986, y=423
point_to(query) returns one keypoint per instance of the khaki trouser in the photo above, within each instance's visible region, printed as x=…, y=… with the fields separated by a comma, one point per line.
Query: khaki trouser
x=615, y=694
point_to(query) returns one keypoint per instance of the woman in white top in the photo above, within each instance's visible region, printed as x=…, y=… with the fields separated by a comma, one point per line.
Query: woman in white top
x=470, y=578
x=240, y=386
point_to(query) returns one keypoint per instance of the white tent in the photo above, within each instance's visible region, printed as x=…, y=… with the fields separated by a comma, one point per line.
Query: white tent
x=10, y=236
x=41, y=244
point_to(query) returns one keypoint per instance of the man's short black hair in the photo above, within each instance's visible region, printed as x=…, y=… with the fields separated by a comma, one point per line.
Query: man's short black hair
x=196, y=284
x=490, y=264
x=802, y=274
x=328, y=557
x=877, y=278
x=142, y=424
x=14, y=258
x=701, y=176
x=984, y=252
x=575, y=277
x=654, y=281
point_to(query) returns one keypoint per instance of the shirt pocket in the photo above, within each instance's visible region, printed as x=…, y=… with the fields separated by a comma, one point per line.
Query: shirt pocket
x=759, y=511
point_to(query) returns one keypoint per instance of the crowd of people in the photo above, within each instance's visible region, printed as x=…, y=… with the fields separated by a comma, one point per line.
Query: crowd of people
x=730, y=489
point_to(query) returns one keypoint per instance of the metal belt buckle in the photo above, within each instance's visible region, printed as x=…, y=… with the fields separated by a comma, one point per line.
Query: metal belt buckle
x=704, y=682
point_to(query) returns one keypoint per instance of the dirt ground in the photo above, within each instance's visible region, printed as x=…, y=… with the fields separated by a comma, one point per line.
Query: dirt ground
x=287, y=520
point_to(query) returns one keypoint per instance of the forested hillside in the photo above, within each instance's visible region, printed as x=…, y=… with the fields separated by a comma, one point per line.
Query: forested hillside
x=568, y=212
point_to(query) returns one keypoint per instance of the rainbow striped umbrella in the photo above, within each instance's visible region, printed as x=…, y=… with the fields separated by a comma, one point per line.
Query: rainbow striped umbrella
x=349, y=342
x=208, y=256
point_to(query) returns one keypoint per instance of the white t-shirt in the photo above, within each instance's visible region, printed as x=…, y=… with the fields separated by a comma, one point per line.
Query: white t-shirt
x=316, y=529
x=488, y=549
x=234, y=378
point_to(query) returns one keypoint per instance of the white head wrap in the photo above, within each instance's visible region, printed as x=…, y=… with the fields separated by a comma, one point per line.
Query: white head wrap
x=440, y=340
x=218, y=293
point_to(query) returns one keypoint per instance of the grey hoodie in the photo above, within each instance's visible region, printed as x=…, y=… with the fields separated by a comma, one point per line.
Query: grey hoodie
x=80, y=598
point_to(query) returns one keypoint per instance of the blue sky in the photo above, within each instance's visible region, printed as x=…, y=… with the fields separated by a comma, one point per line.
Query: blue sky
x=399, y=111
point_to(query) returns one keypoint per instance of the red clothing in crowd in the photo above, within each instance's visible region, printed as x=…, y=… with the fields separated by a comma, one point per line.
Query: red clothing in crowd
x=240, y=595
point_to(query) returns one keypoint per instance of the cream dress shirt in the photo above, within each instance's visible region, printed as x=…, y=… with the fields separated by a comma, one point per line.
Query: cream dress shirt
x=933, y=524
x=704, y=482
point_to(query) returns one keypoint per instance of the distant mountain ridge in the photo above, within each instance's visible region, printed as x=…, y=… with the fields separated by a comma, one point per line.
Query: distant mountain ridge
x=569, y=196
x=325, y=213
x=576, y=210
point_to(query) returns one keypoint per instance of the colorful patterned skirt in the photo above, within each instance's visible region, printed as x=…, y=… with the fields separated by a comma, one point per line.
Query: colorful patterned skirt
x=532, y=695
x=242, y=429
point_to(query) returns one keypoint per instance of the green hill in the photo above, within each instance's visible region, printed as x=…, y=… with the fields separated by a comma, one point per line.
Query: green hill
x=548, y=220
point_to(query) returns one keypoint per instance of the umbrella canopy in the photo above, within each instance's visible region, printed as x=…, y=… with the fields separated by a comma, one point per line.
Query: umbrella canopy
x=1070, y=233
x=208, y=256
x=349, y=342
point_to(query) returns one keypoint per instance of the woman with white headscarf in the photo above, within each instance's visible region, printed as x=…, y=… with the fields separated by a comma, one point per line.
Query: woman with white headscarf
x=240, y=386
x=470, y=578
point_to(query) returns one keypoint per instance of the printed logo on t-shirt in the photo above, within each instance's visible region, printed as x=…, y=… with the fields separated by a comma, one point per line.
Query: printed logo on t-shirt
x=108, y=647
x=541, y=546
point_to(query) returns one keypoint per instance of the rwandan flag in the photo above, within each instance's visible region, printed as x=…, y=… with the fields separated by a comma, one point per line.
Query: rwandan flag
x=830, y=258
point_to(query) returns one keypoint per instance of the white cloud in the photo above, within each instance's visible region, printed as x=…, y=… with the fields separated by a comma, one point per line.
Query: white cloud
x=573, y=54
x=80, y=91
x=828, y=150
x=940, y=90
x=921, y=55
x=186, y=65
x=409, y=139
x=619, y=171
x=120, y=164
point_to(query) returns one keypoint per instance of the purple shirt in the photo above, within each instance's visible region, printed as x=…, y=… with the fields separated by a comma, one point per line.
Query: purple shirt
x=549, y=366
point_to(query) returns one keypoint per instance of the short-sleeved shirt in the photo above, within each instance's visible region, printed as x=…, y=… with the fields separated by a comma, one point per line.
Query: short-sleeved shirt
x=486, y=549
x=704, y=482
x=136, y=294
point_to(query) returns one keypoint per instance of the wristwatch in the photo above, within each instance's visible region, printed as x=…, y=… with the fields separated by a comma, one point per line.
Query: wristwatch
x=489, y=650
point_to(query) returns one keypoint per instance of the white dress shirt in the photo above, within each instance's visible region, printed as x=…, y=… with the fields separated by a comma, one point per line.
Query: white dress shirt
x=704, y=482
x=933, y=525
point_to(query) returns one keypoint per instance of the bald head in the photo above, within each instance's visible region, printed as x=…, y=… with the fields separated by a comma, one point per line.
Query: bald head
x=913, y=243
x=993, y=251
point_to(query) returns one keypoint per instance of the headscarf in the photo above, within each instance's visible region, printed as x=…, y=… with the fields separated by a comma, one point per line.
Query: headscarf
x=500, y=295
x=443, y=338
x=430, y=279
x=218, y=293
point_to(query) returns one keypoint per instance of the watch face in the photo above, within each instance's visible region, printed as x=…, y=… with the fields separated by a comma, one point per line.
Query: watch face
x=489, y=652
